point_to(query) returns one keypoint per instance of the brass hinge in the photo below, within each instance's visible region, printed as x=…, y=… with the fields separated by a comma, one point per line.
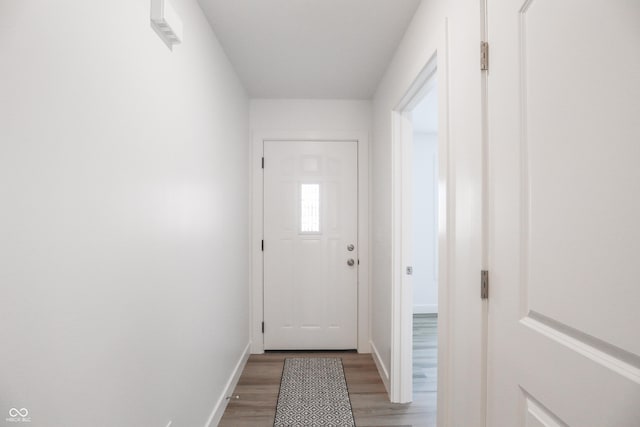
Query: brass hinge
x=484, y=56
x=484, y=284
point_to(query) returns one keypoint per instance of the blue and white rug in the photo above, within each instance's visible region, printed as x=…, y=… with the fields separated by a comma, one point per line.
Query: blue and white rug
x=313, y=393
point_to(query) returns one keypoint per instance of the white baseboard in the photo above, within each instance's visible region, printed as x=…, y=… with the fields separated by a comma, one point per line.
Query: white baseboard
x=382, y=370
x=425, y=309
x=222, y=402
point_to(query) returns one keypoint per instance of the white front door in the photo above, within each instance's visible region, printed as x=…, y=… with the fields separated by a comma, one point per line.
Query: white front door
x=310, y=245
x=564, y=157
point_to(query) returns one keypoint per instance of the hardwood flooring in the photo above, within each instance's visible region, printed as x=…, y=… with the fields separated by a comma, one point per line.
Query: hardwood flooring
x=260, y=381
x=425, y=353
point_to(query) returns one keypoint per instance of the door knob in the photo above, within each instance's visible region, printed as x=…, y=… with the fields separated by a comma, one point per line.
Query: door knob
x=350, y=262
x=350, y=247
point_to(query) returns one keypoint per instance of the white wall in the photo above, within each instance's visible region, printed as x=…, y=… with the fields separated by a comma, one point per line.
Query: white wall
x=324, y=115
x=123, y=216
x=452, y=30
x=425, y=227
x=313, y=118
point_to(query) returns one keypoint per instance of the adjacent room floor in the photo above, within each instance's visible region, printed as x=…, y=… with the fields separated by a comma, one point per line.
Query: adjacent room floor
x=260, y=381
x=425, y=356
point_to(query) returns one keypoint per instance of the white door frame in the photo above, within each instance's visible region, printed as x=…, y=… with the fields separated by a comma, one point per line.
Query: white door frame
x=462, y=315
x=257, y=228
x=402, y=290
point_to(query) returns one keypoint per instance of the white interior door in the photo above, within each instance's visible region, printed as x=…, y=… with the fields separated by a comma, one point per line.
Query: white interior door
x=564, y=141
x=310, y=245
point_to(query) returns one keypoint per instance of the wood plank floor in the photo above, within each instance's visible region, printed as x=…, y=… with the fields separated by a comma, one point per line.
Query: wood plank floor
x=425, y=354
x=260, y=381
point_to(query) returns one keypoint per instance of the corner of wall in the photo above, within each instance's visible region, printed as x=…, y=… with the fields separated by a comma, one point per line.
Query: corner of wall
x=222, y=402
x=382, y=370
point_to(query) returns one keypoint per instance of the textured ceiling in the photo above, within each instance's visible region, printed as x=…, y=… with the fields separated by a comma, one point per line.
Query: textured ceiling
x=310, y=48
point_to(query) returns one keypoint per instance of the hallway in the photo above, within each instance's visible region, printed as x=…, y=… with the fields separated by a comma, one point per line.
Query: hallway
x=260, y=381
x=132, y=192
x=258, y=387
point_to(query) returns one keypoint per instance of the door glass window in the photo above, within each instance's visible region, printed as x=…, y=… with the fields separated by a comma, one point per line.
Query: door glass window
x=310, y=208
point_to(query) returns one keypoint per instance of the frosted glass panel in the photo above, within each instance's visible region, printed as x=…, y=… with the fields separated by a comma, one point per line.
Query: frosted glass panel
x=310, y=208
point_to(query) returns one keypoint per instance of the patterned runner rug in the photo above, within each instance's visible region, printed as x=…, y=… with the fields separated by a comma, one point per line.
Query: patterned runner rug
x=313, y=393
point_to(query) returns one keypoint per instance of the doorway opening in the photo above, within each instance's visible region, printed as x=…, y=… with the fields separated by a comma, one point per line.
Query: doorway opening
x=306, y=228
x=423, y=232
x=420, y=295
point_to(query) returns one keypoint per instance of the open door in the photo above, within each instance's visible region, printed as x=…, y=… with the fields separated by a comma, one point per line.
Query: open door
x=564, y=154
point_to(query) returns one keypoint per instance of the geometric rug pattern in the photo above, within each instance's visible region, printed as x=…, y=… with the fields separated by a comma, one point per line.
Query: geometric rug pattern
x=313, y=393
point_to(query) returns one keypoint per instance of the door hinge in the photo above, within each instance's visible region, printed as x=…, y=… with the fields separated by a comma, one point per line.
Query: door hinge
x=484, y=56
x=484, y=284
x=263, y=163
x=263, y=327
x=263, y=246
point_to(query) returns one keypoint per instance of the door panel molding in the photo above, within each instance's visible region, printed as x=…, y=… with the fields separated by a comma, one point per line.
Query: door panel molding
x=257, y=229
x=564, y=237
x=616, y=359
x=537, y=415
x=553, y=200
